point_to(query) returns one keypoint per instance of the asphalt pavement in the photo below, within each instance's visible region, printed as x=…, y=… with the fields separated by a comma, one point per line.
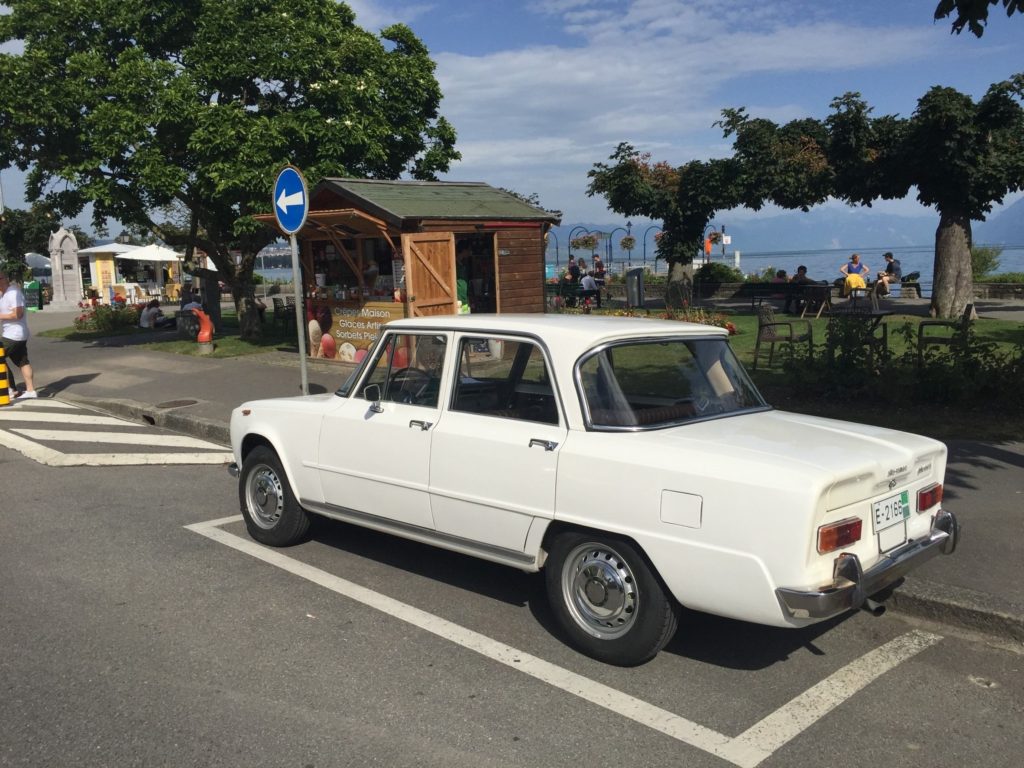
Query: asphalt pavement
x=979, y=587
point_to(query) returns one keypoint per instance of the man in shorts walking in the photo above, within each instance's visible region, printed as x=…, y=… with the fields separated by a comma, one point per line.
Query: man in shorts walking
x=15, y=336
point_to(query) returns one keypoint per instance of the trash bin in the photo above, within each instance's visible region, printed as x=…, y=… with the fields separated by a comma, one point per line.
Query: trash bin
x=635, y=287
x=33, y=293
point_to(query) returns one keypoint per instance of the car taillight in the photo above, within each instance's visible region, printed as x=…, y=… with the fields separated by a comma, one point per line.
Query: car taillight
x=929, y=497
x=837, y=535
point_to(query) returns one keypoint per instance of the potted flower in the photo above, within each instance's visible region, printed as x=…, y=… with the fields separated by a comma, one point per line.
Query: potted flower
x=584, y=242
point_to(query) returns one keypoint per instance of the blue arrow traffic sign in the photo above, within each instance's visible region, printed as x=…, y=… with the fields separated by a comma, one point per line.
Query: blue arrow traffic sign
x=291, y=200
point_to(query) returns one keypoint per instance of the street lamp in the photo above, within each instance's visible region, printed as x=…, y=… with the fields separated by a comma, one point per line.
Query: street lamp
x=646, y=232
x=263, y=270
x=551, y=232
x=572, y=234
x=611, y=235
x=704, y=237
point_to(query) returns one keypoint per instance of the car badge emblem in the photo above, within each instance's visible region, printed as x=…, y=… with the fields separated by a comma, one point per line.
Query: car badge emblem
x=892, y=483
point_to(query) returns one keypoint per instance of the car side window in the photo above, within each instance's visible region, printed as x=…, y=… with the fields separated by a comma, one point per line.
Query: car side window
x=407, y=369
x=505, y=378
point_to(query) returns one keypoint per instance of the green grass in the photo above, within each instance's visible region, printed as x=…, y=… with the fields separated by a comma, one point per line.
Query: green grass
x=979, y=421
x=226, y=342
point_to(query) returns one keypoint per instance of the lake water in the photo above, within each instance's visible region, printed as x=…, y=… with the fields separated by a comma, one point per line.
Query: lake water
x=824, y=264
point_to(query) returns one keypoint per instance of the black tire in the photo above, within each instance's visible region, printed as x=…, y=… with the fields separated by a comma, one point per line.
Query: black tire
x=607, y=600
x=272, y=514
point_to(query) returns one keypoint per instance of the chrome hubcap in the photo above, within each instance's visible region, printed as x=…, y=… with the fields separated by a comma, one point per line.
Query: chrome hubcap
x=600, y=591
x=264, y=497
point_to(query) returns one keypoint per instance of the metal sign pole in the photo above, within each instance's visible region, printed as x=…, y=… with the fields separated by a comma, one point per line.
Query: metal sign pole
x=300, y=323
x=291, y=204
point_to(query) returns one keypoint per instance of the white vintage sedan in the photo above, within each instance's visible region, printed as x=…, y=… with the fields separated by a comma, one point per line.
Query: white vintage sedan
x=632, y=460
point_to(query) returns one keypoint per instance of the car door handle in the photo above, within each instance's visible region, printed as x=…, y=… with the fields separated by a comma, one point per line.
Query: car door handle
x=547, y=445
x=423, y=425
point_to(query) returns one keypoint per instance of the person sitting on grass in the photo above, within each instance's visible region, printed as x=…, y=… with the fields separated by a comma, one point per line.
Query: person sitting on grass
x=153, y=317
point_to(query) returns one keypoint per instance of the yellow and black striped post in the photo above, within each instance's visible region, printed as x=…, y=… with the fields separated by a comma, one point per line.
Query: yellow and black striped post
x=5, y=395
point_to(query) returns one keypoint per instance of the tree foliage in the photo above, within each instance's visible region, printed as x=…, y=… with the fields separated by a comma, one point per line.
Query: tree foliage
x=29, y=231
x=961, y=156
x=138, y=105
x=973, y=14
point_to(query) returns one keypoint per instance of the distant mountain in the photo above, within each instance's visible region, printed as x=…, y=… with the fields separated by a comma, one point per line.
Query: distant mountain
x=820, y=229
x=1004, y=228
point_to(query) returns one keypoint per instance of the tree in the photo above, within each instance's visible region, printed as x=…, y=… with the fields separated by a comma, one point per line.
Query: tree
x=634, y=186
x=973, y=14
x=962, y=157
x=29, y=231
x=136, y=105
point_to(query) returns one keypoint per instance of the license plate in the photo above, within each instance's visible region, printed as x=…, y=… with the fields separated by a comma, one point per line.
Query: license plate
x=891, y=511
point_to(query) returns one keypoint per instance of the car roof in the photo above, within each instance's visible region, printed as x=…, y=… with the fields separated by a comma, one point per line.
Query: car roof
x=578, y=332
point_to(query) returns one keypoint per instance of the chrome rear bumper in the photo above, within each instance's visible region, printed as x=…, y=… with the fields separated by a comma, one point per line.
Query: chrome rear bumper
x=233, y=469
x=852, y=586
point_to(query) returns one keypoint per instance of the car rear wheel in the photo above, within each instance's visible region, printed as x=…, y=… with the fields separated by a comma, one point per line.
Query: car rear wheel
x=607, y=599
x=272, y=514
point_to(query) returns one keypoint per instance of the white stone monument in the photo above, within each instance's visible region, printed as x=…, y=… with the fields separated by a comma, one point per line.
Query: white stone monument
x=67, y=278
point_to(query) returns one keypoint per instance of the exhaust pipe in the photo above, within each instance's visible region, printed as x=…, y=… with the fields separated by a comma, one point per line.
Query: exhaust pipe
x=873, y=607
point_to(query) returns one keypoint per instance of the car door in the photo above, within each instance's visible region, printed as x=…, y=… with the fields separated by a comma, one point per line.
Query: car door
x=374, y=452
x=494, y=454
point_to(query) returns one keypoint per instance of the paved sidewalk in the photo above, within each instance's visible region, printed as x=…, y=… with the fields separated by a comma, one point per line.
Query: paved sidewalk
x=980, y=587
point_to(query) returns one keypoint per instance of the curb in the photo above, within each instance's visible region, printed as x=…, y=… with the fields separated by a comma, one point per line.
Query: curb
x=959, y=607
x=196, y=426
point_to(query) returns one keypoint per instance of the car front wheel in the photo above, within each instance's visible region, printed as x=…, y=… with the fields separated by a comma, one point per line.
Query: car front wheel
x=607, y=600
x=272, y=514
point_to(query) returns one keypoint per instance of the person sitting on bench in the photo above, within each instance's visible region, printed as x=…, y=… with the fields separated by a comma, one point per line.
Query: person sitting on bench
x=891, y=276
x=589, y=288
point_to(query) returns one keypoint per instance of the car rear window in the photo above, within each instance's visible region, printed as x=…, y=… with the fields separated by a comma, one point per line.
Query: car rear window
x=664, y=382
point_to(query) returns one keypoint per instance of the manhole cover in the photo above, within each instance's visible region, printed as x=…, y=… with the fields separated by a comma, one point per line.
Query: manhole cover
x=176, y=403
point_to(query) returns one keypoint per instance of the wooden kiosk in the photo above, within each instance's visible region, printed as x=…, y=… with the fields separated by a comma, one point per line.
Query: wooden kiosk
x=372, y=251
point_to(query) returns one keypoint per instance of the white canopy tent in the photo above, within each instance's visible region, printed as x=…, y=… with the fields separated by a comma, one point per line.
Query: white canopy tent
x=152, y=252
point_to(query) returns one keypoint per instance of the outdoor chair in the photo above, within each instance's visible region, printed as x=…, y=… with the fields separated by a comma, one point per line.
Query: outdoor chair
x=770, y=332
x=284, y=312
x=817, y=298
x=955, y=333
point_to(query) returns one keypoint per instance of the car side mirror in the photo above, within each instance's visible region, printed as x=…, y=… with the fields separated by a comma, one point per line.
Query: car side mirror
x=371, y=392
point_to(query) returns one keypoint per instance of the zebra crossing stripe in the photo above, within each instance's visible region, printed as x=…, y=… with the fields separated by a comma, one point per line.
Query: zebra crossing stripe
x=122, y=438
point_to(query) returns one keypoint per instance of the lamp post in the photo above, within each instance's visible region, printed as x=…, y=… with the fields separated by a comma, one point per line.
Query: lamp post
x=572, y=234
x=551, y=232
x=646, y=232
x=610, y=236
x=705, y=253
x=263, y=277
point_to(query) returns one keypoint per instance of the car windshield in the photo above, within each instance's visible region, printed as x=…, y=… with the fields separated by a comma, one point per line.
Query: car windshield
x=659, y=383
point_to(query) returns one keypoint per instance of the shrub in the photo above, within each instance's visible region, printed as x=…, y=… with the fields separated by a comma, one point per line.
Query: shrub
x=716, y=272
x=1006, y=277
x=985, y=260
x=103, y=317
x=966, y=374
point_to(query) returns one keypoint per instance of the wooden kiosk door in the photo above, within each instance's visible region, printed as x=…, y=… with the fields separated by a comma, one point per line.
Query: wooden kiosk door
x=430, y=273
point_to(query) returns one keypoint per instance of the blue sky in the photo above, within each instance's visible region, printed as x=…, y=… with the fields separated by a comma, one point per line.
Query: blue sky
x=540, y=90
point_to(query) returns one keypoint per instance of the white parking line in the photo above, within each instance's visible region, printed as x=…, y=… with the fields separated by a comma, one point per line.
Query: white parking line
x=747, y=750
